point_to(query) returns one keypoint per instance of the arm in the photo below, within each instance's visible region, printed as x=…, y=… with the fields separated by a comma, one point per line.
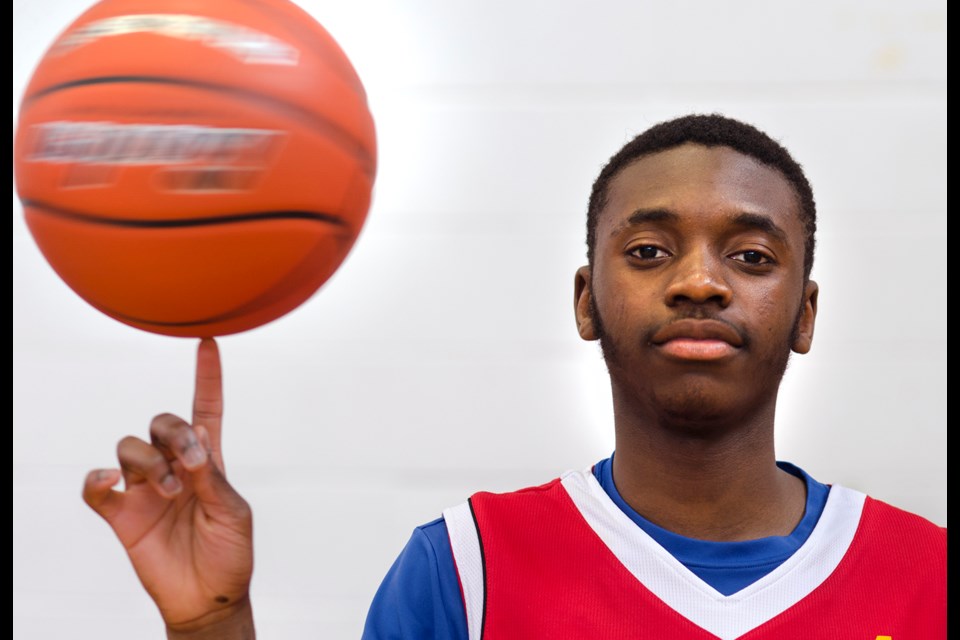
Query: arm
x=420, y=595
x=188, y=533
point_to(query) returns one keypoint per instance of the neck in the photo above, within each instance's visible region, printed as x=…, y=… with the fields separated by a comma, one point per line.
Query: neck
x=711, y=479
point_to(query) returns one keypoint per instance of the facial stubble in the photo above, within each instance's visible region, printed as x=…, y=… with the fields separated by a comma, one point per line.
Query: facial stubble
x=611, y=353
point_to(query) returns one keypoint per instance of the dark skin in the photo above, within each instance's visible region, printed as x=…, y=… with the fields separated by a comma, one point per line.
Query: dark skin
x=188, y=533
x=697, y=294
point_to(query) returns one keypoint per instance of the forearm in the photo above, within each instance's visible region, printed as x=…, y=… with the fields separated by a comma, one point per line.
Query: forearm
x=234, y=624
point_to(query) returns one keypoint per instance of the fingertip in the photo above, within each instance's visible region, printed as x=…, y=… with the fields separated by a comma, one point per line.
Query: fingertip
x=103, y=477
x=169, y=486
x=208, y=344
x=196, y=454
x=208, y=360
x=97, y=490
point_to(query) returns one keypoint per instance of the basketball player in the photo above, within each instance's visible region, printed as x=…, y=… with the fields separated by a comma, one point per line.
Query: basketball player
x=700, y=239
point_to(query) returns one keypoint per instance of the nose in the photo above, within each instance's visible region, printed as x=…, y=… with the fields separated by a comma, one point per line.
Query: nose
x=698, y=279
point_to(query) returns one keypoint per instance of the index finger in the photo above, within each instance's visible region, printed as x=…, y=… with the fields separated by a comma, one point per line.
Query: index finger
x=208, y=395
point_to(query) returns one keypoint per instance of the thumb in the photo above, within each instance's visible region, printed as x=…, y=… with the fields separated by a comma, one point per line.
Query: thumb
x=99, y=495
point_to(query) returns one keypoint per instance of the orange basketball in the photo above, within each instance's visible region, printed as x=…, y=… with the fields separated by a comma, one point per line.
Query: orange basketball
x=195, y=167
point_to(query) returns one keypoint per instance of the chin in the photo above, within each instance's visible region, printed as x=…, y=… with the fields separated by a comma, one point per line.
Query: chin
x=696, y=410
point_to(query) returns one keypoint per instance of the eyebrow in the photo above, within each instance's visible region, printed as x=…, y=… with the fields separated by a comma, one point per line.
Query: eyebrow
x=744, y=220
x=641, y=216
x=760, y=223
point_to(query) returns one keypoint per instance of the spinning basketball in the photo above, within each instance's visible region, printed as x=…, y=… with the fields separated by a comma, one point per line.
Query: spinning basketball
x=195, y=168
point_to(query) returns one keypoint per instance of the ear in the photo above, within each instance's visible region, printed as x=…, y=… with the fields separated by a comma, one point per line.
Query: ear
x=581, y=304
x=803, y=338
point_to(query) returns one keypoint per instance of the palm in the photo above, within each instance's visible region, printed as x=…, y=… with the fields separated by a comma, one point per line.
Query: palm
x=188, y=556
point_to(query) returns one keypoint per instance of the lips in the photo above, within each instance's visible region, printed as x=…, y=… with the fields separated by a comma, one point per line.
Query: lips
x=698, y=330
x=691, y=339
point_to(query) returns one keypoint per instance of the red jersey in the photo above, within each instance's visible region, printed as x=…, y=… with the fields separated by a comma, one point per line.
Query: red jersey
x=563, y=561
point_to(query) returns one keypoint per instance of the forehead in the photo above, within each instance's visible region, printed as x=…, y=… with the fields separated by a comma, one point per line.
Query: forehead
x=705, y=183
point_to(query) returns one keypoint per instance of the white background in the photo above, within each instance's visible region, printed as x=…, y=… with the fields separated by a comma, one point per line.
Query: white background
x=442, y=358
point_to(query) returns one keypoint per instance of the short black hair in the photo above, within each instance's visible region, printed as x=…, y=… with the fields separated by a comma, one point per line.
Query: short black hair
x=710, y=130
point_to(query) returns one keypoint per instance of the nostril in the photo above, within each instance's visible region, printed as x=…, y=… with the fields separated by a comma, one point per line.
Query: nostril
x=700, y=291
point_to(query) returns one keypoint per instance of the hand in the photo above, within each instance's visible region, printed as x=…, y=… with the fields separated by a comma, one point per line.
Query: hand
x=188, y=533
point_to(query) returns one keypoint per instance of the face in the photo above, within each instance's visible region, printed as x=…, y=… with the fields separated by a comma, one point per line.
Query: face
x=697, y=290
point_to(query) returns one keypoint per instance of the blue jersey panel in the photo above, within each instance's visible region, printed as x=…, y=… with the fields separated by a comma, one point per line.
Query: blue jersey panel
x=420, y=595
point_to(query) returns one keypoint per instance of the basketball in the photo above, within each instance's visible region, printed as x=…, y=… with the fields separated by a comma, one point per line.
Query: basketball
x=195, y=168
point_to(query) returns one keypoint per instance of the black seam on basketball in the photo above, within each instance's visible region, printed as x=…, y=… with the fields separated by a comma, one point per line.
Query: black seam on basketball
x=483, y=565
x=239, y=311
x=233, y=218
x=337, y=134
x=160, y=323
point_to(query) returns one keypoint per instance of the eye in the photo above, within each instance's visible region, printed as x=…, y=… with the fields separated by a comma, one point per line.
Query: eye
x=648, y=252
x=752, y=257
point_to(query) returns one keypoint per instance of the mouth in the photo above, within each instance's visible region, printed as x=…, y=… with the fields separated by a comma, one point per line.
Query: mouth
x=698, y=340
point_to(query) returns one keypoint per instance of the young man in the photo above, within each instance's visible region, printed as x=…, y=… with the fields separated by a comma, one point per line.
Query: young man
x=700, y=241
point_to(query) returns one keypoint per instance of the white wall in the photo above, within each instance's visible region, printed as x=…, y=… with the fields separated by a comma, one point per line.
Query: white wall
x=442, y=357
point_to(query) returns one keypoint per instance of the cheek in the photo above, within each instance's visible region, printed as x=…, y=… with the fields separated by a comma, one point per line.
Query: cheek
x=607, y=295
x=619, y=307
x=624, y=301
x=779, y=312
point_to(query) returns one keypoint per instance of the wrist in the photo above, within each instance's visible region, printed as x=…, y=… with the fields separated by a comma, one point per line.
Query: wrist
x=233, y=623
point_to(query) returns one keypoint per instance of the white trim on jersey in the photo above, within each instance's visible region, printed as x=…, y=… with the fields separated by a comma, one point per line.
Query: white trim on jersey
x=725, y=616
x=465, y=543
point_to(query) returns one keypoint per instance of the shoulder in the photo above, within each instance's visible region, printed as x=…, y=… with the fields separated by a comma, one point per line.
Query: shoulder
x=900, y=552
x=889, y=543
x=897, y=524
x=556, y=505
x=531, y=502
x=520, y=494
x=420, y=596
x=430, y=537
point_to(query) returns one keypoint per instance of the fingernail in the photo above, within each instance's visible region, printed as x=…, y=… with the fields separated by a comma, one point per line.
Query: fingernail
x=194, y=456
x=170, y=484
x=106, y=475
x=204, y=436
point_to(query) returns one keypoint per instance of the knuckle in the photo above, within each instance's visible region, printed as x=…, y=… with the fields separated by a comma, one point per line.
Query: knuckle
x=166, y=429
x=126, y=445
x=163, y=422
x=156, y=466
x=207, y=408
x=243, y=509
x=238, y=505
